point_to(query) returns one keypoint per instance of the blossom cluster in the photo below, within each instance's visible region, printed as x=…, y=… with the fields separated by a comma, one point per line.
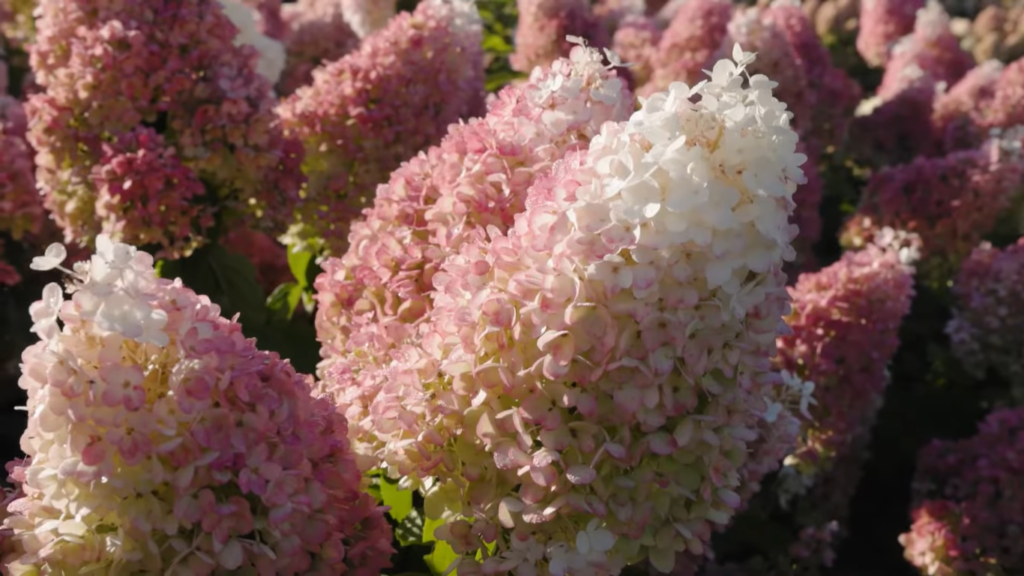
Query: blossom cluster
x=587, y=383
x=988, y=322
x=366, y=113
x=317, y=32
x=21, y=208
x=161, y=440
x=984, y=100
x=476, y=178
x=951, y=202
x=271, y=61
x=845, y=330
x=143, y=99
x=967, y=501
x=692, y=38
x=545, y=25
x=367, y=16
x=881, y=24
x=921, y=65
x=997, y=32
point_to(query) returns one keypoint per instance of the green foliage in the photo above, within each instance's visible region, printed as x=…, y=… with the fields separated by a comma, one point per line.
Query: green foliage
x=499, y=17
x=442, y=556
x=229, y=280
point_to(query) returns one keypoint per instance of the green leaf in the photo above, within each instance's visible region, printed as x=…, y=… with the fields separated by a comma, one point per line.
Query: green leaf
x=399, y=500
x=409, y=531
x=441, y=559
x=299, y=263
x=294, y=340
x=285, y=300
x=429, y=525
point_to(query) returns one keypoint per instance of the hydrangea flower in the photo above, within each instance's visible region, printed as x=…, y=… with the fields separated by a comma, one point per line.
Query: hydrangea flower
x=882, y=23
x=988, y=322
x=968, y=503
x=586, y=385
x=317, y=32
x=123, y=85
x=271, y=60
x=367, y=16
x=845, y=330
x=162, y=441
x=636, y=41
x=370, y=299
x=931, y=54
x=959, y=113
x=375, y=108
x=831, y=95
x=693, y=36
x=541, y=34
x=951, y=202
x=21, y=208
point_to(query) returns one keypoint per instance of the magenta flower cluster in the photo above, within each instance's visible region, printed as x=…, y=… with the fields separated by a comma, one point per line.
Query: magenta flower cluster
x=543, y=28
x=845, y=330
x=968, y=502
x=366, y=113
x=987, y=328
x=153, y=125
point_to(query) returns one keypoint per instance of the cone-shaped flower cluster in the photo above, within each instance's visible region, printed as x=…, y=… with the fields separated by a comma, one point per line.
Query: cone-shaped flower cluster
x=968, y=505
x=477, y=177
x=845, y=324
x=930, y=55
x=367, y=16
x=952, y=202
x=21, y=208
x=882, y=23
x=987, y=328
x=921, y=65
x=317, y=32
x=146, y=99
x=687, y=45
x=831, y=95
x=375, y=108
x=162, y=441
x=958, y=117
x=586, y=386
x=636, y=41
x=543, y=28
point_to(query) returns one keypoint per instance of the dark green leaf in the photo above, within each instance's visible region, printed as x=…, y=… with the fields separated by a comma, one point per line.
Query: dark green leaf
x=410, y=530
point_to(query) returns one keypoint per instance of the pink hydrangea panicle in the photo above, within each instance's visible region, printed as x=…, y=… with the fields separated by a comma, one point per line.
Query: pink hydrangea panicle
x=144, y=191
x=127, y=74
x=1005, y=111
x=831, y=94
x=882, y=23
x=931, y=54
x=807, y=214
x=636, y=41
x=21, y=207
x=950, y=202
x=694, y=34
x=587, y=383
x=967, y=504
x=959, y=114
x=369, y=299
x=162, y=441
x=844, y=332
x=367, y=16
x=541, y=34
x=366, y=113
x=987, y=327
x=317, y=32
